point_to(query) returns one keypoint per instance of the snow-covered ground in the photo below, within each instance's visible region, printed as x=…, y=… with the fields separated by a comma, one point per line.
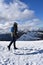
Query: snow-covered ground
x=29, y=53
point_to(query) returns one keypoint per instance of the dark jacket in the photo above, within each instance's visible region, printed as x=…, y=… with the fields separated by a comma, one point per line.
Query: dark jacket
x=14, y=30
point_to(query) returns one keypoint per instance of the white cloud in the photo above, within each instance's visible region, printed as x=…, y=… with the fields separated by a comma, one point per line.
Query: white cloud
x=33, y=24
x=16, y=11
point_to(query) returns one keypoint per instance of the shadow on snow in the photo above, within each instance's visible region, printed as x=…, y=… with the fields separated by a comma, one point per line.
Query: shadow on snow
x=32, y=53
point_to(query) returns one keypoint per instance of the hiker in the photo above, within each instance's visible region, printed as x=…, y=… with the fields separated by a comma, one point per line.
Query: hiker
x=14, y=30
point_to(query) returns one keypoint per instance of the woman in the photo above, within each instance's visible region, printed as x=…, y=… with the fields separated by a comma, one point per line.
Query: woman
x=14, y=30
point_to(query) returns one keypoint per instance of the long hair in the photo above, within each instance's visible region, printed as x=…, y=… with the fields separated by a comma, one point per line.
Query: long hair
x=15, y=26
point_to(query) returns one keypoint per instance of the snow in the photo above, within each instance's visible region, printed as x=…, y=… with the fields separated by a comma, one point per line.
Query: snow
x=29, y=53
x=29, y=36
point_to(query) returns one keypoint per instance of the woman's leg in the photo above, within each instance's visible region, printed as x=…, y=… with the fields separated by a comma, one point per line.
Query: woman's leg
x=14, y=43
x=10, y=44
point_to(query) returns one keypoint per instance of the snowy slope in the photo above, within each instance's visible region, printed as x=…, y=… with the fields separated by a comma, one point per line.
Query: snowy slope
x=29, y=36
x=29, y=53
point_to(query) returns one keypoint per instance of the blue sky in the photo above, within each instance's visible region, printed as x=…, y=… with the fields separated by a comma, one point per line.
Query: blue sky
x=8, y=1
x=37, y=6
x=28, y=12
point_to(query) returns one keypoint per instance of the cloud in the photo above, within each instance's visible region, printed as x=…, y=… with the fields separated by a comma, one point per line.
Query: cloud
x=33, y=24
x=16, y=11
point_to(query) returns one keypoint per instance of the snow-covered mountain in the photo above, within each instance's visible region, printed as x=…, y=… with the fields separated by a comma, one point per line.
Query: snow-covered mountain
x=23, y=36
x=40, y=29
x=29, y=36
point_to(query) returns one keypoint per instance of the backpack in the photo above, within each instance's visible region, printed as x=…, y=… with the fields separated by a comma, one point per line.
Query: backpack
x=12, y=29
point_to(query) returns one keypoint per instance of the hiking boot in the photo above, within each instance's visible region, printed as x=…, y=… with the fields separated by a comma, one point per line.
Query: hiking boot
x=15, y=48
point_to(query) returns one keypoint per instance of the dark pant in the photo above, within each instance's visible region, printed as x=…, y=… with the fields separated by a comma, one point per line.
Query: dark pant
x=13, y=41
